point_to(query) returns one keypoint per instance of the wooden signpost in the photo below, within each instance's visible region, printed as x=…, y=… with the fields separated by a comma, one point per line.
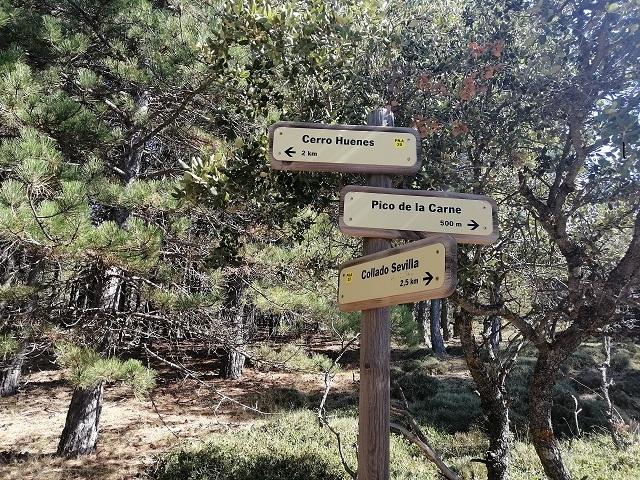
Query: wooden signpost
x=412, y=272
x=343, y=148
x=384, y=276
x=388, y=212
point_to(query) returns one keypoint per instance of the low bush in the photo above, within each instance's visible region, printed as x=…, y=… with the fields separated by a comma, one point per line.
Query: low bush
x=295, y=447
x=289, y=357
x=278, y=400
x=430, y=365
x=291, y=447
x=620, y=360
x=416, y=386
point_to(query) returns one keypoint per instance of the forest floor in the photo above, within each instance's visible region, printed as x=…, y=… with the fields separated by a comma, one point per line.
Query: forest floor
x=184, y=412
x=133, y=431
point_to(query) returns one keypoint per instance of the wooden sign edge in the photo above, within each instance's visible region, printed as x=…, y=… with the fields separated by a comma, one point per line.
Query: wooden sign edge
x=449, y=284
x=409, y=234
x=297, y=166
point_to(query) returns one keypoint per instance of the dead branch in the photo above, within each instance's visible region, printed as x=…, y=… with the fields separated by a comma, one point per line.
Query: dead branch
x=196, y=377
x=415, y=435
x=322, y=413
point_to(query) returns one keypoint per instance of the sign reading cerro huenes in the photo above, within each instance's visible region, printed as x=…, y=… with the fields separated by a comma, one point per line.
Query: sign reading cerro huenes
x=343, y=148
x=416, y=271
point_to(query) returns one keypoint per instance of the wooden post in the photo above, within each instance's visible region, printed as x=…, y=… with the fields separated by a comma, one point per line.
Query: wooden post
x=375, y=341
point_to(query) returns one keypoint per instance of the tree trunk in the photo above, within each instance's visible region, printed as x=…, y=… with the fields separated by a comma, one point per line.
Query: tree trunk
x=614, y=422
x=444, y=320
x=233, y=359
x=457, y=322
x=10, y=376
x=420, y=315
x=500, y=437
x=493, y=399
x=80, y=433
x=495, y=323
x=543, y=438
x=437, y=343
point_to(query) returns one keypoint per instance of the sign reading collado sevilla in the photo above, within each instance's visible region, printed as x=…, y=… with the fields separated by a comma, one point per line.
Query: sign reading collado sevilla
x=343, y=148
x=388, y=212
x=415, y=271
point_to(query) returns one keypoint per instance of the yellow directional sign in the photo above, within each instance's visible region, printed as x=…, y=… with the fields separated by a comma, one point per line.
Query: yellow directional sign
x=386, y=213
x=343, y=148
x=416, y=271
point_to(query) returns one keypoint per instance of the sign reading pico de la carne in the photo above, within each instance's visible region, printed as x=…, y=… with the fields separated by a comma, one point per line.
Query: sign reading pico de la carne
x=386, y=213
x=343, y=148
x=416, y=271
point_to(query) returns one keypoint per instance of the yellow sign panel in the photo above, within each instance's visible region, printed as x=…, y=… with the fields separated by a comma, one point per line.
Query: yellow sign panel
x=470, y=218
x=416, y=271
x=319, y=147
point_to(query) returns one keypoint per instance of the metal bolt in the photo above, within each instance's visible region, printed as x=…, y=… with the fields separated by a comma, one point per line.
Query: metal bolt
x=437, y=278
x=350, y=218
x=279, y=133
x=437, y=251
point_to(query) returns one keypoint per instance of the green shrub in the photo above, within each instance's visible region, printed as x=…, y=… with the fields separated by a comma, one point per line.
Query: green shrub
x=295, y=447
x=9, y=346
x=430, y=365
x=291, y=447
x=620, y=360
x=416, y=386
x=290, y=357
x=631, y=383
x=454, y=407
x=586, y=356
x=278, y=400
x=404, y=329
x=87, y=368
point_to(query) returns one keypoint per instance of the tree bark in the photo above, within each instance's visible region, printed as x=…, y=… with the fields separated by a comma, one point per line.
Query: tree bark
x=444, y=320
x=420, y=315
x=613, y=420
x=437, y=343
x=80, y=433
x=543, y=438
x=493, y=399
x=234, y=358
x=10, y=376
x=457, y=322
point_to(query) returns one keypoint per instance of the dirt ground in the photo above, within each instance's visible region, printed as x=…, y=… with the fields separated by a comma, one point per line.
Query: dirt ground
x=132, y=432
x=135, y=430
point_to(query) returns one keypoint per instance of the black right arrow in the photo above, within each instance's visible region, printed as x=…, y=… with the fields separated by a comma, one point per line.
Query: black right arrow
x=428, y=278
x=290, y=152
x=473, y=224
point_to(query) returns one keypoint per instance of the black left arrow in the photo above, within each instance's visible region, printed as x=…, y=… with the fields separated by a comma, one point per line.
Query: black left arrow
x=427, y=279
x=289, y=151
x=473, y=224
